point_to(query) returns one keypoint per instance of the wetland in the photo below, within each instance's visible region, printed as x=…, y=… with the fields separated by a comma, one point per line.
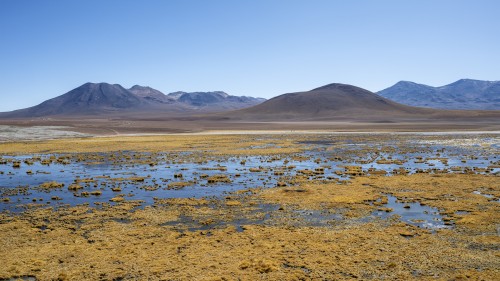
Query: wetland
x=323, y=206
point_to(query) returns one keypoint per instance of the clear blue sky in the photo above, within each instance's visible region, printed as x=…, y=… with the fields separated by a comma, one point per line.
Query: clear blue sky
x=256, y=48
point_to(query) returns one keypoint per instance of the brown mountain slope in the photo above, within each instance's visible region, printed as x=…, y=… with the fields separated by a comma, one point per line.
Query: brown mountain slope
x=333, y=100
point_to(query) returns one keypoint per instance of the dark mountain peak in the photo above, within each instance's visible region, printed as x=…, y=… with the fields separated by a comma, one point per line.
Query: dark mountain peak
x=467, y=80
x=467, y=86
x=409, y=88
x=470, y=84
x=336, y=86
x=139, y=87
x=92, y=84
x=100, y=85
x=407, y=83
x=89, y=91
x=338, y=89
x=150, y=94
x=220, y=93
x=176, y=95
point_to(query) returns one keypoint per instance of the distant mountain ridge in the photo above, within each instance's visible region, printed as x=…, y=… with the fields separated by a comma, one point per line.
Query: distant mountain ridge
x=104, y=98
x=196, y=99
x=463, y=94
x=206, y=98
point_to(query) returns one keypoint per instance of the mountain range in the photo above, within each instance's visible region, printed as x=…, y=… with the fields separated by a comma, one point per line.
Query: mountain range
x=327, y=103
x=463, y=94
x=98, y=99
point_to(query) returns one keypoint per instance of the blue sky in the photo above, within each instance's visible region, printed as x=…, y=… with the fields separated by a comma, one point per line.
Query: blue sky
x=256, y=48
